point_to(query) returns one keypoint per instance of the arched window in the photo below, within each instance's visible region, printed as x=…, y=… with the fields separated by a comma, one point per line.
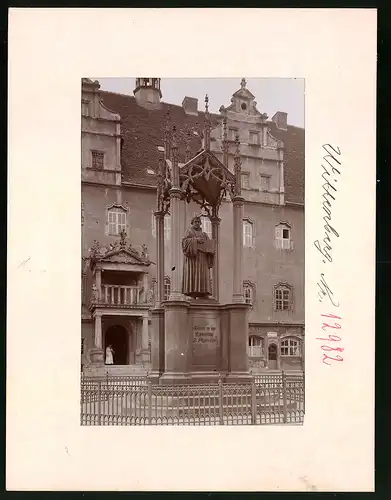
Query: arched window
x=283, y=236
x=206, y=225
x=283, y=297
x=248, y=292
x=248, y=233
x=255, y=346
x=167, y=287
x=116, y=219
x=290, y=347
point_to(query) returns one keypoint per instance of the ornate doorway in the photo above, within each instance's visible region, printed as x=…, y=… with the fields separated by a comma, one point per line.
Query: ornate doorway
x=118, y=337
x=272, y=357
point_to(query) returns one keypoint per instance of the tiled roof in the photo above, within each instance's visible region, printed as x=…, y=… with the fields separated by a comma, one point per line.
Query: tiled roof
x=143, y=132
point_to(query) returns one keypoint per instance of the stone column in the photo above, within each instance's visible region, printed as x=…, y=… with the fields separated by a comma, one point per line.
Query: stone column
x=145, y=288
x=238, y=202
x=96, y=353
x=176, y=247
x=98, y=282
x=216, y=277
x=98, y=331
x=144, y=340
x=159, y=218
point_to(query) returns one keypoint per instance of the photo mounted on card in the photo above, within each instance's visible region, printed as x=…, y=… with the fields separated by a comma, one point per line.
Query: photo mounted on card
x=207, y=211
x=193, y=260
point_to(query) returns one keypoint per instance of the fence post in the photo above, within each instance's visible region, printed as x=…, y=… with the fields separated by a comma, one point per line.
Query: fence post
x=149, y=402
x=253, y=402
x=284, y=399
x=221, y=402
x=99, y=401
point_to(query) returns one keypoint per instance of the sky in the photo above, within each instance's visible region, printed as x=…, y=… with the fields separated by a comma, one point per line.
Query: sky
x=271, y=94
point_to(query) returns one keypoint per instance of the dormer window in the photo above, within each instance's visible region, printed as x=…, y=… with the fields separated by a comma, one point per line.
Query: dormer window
x=254, y=137
x=265, y=182
x=245, y=180
x=243, y=106
x=232, y=134
x=97, y=159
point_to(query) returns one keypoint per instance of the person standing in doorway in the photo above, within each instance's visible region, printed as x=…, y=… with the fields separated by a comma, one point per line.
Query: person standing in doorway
x=109, y=355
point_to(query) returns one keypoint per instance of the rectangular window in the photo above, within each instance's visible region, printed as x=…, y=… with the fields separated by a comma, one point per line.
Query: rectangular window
x=207, y=226
x=265, y=183
x=232, y=134
x=167, y=288
x=167, y=227
x=245, y=180
x=248, y=233
x=254, y=137
x=282, y=299
x=283, y=237
x=97, y=159
x=116, y=221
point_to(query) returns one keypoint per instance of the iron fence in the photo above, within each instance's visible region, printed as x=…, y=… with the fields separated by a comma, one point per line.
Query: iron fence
x=131, y=400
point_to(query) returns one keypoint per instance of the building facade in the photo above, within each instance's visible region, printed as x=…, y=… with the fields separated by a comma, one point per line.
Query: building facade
x=123, y=138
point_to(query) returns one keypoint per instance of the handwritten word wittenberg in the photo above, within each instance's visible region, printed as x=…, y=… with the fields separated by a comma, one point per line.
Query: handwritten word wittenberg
x=330, y=176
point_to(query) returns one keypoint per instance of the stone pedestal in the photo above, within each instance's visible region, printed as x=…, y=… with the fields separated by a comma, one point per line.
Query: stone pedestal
x=97, y=356
x=198, y=342
x=157, y=341
x=176, y=342
x=238, y=370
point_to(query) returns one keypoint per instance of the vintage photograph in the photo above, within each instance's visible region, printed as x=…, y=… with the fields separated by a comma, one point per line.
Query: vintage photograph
x=192, y=234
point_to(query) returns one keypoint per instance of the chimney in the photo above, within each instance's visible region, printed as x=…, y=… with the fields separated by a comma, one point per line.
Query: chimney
x=190, y=105
x=281, y=120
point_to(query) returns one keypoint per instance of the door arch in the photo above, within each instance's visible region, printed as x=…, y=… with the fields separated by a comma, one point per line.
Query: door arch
x=272, y=356
x=118, y=337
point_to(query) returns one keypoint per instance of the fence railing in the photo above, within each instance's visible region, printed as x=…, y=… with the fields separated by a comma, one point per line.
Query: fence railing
x=128, y=400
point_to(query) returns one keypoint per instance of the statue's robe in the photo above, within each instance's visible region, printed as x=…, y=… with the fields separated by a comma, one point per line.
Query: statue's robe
x=196, y=266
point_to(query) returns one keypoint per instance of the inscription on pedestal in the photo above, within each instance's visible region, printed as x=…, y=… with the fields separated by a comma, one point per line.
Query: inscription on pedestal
x=205, y=342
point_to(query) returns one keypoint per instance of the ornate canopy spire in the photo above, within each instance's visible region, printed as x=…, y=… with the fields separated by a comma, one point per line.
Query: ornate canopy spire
x=207, y=125
x=225, y=145
x=167, y=136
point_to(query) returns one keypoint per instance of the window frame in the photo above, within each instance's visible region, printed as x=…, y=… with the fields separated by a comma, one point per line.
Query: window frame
x=246, y=176
x=280, y=290
x=206, y=225
x=267, y=178
x=256, y=349
x=120, y=212
x=290, y=347
x=281, y=242
x=247, y=222
x=249, y=285
x=101, y=154
x=167, y=287
x=257, y=135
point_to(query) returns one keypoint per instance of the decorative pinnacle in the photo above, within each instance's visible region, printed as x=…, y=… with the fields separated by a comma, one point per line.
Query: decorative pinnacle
x=174, y=138
x=206, y=103
x=243, y=83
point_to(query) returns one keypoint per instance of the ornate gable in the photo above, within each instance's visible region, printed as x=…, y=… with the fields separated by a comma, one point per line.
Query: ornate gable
x=119, y=253
x=243, y=101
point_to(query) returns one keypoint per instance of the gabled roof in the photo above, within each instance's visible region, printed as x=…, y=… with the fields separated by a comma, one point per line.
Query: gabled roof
x=120, y=256
x=143, y=132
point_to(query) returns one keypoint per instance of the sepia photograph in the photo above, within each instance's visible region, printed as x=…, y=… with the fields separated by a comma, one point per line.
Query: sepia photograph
x=192, y=251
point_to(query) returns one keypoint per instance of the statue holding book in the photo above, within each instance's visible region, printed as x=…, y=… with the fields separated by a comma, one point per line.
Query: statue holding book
x=199, y=252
